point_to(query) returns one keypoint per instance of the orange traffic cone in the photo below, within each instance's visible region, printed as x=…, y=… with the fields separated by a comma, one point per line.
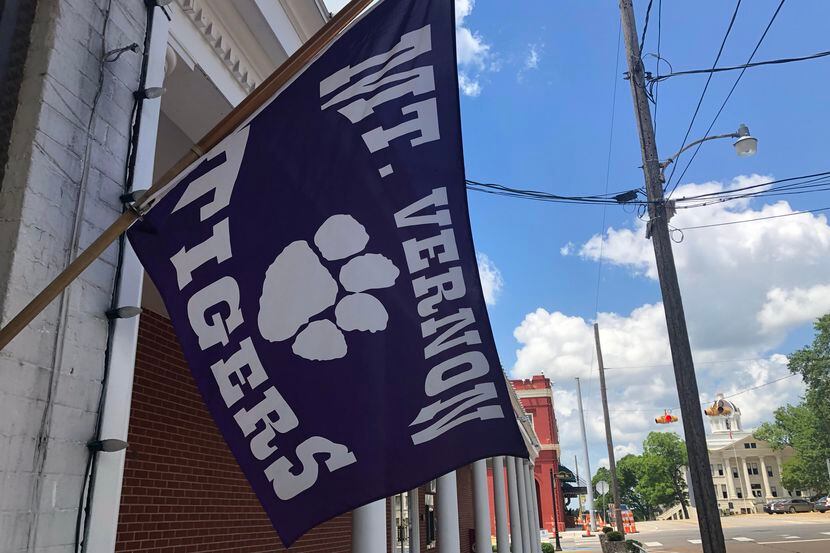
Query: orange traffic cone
x=586, y=526
x=633, y=525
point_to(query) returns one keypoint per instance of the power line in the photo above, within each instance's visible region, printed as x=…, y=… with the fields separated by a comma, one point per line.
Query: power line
x=728, y=96
x=754, y=186
x=502, y=190
x=645, y=27
x=708, y=402
x=660, y=78
x=706, y=87
x=756, y=219
x=607, y=181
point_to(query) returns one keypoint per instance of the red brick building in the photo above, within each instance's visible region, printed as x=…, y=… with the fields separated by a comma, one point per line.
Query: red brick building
x=183, y=491
x=536, y=397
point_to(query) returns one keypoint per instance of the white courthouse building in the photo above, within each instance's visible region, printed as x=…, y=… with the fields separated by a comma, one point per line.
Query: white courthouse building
x=746, y=471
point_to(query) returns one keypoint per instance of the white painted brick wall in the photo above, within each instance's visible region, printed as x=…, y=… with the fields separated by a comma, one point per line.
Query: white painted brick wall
x=40, y=486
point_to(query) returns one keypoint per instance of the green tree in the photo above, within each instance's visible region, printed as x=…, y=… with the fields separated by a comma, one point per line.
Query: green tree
x=628, y=473
x=661, y=472
x=806, y=427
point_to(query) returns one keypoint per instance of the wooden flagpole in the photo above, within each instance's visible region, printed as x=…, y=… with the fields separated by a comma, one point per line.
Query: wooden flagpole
x=283, y=74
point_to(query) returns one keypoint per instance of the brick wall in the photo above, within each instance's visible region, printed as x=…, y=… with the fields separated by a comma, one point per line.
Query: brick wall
x=50, y=375
x=183, y=490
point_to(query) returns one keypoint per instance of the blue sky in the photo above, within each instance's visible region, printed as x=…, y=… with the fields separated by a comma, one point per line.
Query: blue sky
x=537, y=89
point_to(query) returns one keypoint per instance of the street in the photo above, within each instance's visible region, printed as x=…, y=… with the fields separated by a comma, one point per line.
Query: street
x=802, y=533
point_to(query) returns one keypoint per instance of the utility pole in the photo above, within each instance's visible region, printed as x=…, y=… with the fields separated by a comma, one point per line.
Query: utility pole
x=709, y=522
x=612, y=464
x=587, y=460
x=578, y=495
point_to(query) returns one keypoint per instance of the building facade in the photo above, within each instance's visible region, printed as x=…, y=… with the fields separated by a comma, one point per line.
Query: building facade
x=80, y=120
x=746, y=471
x=536, y=397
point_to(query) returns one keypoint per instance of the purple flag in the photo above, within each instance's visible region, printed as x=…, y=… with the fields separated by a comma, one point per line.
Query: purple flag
x=319, y=270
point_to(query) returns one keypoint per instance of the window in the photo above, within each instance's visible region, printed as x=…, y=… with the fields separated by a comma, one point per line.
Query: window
x=752, y=468
x=769, y=472
x=750, y=445
x=734, y=472
x=756, y=490
x=723, y=491
x=739, y=493
x=798, y=493
x=429, y=518
x=773, y=491
x=720, y=470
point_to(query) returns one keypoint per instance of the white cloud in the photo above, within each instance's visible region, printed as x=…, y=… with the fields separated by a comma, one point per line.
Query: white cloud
x=491, y=279
x=473, y=52
x=736, y=279
x=468, y=86
x=533, y=57
x=745, y=287
x=794, y=306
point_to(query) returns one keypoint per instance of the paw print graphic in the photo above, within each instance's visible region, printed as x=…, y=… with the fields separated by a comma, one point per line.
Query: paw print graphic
x=298, y=287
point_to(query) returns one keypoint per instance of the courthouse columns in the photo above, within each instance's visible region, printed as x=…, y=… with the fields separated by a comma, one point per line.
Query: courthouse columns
x=500, y=504
x=516, y=533
x=522, y=487
x=765, y=478
x=730, y=481
x=369, y=528
x=414, y=522
x=481, y=505
x=448, y=534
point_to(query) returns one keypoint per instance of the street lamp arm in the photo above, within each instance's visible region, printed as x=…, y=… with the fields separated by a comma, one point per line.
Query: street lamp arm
x=671, y=160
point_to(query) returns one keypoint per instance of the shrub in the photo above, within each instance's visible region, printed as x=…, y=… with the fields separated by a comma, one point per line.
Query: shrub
x=547, y=547
x=613, y=535
x=632, y=546
x=607, y=529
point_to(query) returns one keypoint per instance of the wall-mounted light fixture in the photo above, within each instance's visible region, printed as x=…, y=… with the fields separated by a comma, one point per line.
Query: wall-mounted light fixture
x=149, y=93
x=107, y=446
x=132, y=197
x=126, y=312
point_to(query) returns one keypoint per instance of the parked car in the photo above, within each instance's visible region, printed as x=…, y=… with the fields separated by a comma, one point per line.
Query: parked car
x=794, y=505
x=822, y=505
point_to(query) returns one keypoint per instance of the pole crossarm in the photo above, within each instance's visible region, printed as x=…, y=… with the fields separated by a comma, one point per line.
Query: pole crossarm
x=269, y=87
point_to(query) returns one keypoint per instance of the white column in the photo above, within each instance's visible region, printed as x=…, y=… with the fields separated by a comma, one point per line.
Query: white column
x=448, y=533
x=537, y=515
x=500, y=506
x=369, y=528
x=765, y=478
x=781, y=475
x=516, y=540
x=414, y=522
x=481, y=506
x=105, y=486
x=730, y=482
x=748, y=499
x=520, y=477
x=532, y=519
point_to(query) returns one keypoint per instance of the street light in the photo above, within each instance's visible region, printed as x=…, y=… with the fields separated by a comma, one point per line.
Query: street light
x=553, y=478
x=745, y=146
